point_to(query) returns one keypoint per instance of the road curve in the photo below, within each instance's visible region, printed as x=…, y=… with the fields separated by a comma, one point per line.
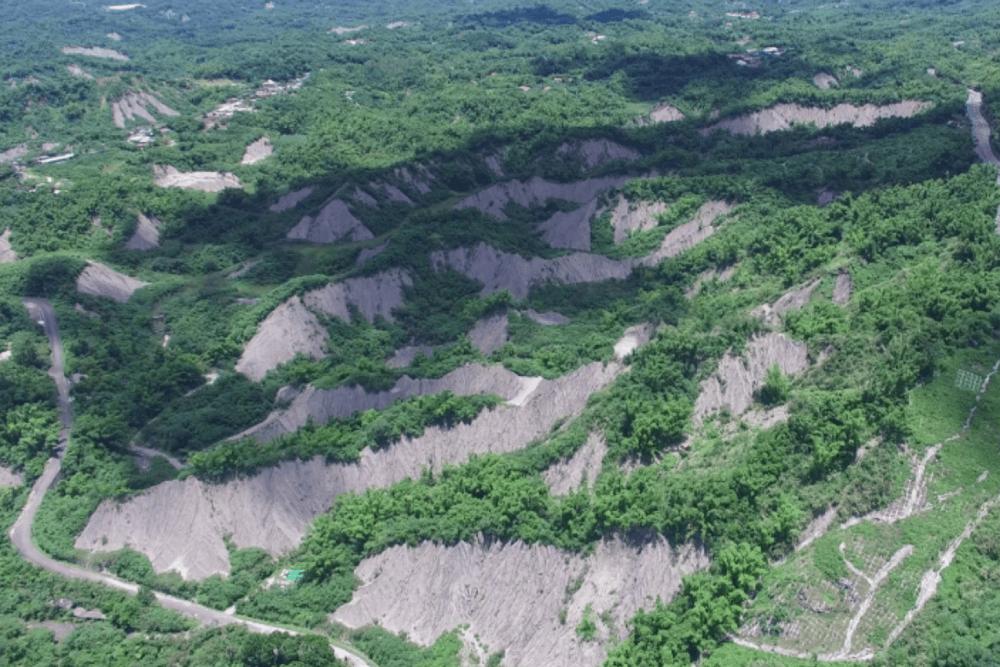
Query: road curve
x=980, y=128
x=20, y=533
x=981, y=133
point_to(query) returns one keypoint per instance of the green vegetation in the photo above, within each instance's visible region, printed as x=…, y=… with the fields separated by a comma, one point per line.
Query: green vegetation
x=448, y=87
x=388, y=650
x=342, y=439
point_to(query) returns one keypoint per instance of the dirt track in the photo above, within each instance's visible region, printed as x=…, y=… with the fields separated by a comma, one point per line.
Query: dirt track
x=20, y=532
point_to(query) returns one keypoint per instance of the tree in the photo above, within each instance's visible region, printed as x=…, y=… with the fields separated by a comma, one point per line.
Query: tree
x=660, y=426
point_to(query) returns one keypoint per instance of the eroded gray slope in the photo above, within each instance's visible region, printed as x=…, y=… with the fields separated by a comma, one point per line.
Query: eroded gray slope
x=293, y=327
x=536, y=192
x=785, y=116
x=322, y=405
x=181, y=525
x=497, y=270
x=513, y=596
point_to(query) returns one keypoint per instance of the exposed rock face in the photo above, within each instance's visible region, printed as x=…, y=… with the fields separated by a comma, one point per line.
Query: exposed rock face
x=290, y=330
x=784, y=116
x=257, y=151
x=593, y=153
x=570, y=229
x=825, y=197
x=581, y=468
x=344, y=30
x=373, y=296
x=293, y=328
x=633, y=339
x=13, y=154
x=691, y=233
x=133, y=106
x=419, y=178
x=497, y=270
x=367, y=254
x=334, y=222
x=94, y=52
x=180, y=525
x=627, y=217
x=101, y=280
x=490, y=333
x=290, y=200
x=205, y=181
x=790, y=301
x=146, y=235
x=842, y=288
x=722, y=276
x=536, y=192
x=9, y=478
x=405, y=356
x=495, y=164
x=663, y=113
x=362, y=197
x=7, y=253
x=79, y=72
x=322, y=405
x=737, y=379
x=396, y=195
x=825, y=81
x=546, y=319
x=511, y=595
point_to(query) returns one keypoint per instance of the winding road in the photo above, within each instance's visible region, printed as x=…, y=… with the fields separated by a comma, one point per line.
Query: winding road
x=981, y=136
x=20, y=533
x=980, y=128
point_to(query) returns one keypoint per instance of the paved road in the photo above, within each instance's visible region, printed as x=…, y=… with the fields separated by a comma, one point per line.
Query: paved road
x=980, y=128
x=981, y=136
x=20, y=533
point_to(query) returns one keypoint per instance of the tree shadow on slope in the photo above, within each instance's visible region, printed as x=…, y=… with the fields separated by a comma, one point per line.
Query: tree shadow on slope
x=542, y=15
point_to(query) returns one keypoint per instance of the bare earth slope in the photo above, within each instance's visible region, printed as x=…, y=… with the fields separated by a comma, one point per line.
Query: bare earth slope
x=570, y=229
x=593, y=153
x=7, y=253
x=135, y=105
x=146, y=235
x=205, y=181
x=180, y=525
x=334, y=222
x=257, y=151
x=512, y=595
x=9, y=478
x=291, y=329
x=101, y=280
x=490, y=333
x=784, y=116
x=583, y=467
x=322, y=405
x=290, y=200
x=94, y=52
x=497, y=270
x=627, y=217
x=536, y=192
x=374, y=296
x=737, y=379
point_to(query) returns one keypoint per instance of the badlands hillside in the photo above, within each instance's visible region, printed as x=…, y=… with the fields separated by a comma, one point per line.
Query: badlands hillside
x=456, y=334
